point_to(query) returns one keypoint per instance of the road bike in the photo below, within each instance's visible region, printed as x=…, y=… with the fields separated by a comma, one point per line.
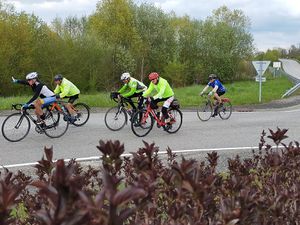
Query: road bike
x=207, y=108
x=117, y=117
x=143, y=120
x=17, y=125
x=82, y=112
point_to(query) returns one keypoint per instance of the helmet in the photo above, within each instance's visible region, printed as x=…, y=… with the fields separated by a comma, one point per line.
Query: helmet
x=125, y=76
x=58, y=77
x=153, y=75
x=32, y=75
x=212, y=76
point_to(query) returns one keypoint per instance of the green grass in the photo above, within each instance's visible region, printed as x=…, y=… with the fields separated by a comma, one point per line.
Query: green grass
x=240, y=93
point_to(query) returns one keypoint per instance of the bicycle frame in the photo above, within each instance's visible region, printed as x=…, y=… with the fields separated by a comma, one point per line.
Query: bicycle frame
x=151, y=111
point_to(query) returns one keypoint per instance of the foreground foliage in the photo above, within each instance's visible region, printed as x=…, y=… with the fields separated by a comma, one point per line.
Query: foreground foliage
x=143, y=189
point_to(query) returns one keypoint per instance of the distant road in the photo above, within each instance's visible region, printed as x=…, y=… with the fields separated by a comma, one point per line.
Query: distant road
x=242, y=130
x=291, y=67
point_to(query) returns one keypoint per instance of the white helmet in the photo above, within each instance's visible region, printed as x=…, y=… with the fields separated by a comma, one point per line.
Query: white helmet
x=32, y=75
x=125, y=76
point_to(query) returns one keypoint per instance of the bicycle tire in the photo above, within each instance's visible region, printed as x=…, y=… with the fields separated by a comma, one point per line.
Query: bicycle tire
x=204, y=111
x=225, y=110
x=140, y=125
x=175, y=115
x=83, y=114
x=56, y=130
x=115, y=118
x=52, y=116
x=12, y=121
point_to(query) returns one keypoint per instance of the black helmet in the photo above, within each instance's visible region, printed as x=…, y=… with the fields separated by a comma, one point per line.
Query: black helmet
x=58, y=77
x=212, y=76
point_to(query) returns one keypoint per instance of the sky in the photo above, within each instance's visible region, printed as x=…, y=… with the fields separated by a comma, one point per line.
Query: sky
x=274, y=23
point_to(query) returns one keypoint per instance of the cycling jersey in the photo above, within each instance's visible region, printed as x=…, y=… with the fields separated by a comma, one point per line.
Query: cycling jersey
x=216, y=82
x=134, y=85
x=39, y=89
x=66, y=89
x=162, y=87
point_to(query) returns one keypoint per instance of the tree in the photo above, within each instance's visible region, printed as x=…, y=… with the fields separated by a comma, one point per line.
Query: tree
x=225, y=42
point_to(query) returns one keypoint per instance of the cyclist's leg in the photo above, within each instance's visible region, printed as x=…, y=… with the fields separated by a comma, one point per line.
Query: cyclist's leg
x=130, y=100
x=219, y=101
x=43, y=103
x=165, y=108
x=38, y=109
x=69, y=105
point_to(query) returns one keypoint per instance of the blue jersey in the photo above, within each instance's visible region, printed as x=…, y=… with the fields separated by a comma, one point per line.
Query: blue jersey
x=217, y=83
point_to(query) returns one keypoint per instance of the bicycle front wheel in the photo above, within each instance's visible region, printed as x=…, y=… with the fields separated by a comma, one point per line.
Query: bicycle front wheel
x=225, y=110
x=176, y=121
x=15, y=127
x=204, y=111
x=55, y=129
x=115, y=118
x=83, y=114
x=142, y=123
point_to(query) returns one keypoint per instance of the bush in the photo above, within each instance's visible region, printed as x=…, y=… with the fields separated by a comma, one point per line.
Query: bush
x=143, y=189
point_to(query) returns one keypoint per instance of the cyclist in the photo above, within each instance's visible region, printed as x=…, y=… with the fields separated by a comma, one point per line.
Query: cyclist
x=42, y=95
x=164, y=94
x=66, y=89
x=217, y=91
x=132, y=88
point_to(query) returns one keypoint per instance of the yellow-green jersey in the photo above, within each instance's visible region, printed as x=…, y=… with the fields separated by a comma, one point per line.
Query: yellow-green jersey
x=132, y=87
x=66, y=89
x=162, y=88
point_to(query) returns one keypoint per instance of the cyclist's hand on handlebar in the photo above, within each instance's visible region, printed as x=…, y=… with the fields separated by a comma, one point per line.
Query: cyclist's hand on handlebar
x=210, y=93
x=25, y=106
x=14, y=80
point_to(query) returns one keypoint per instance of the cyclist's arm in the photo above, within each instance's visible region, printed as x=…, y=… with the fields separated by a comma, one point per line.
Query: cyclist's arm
x=132, y=90
x=65, y=91
x=205, y=88
x=57, y=90
x=36, y=93
x=123, y=89
x=149, y=90
x=24, y=82
x=215, y=89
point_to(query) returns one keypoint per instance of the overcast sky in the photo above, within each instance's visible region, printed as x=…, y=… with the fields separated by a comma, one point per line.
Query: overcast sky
x=274, y=23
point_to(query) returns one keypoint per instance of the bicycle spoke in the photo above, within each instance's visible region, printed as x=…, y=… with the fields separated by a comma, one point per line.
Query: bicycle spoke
x=175, y=121
x=225, y=110
x=55, y=129
x=83, y=114
x=142, y=123
x=115, y=118
x=204, y=111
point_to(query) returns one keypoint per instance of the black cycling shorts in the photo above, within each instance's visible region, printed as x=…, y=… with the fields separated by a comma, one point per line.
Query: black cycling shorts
x=73, y=98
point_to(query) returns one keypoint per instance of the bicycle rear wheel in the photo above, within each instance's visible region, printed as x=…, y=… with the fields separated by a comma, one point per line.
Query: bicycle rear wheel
x=176, y=121
x=225, y=110
x=204, y=111
x=51, y=116
x=142, y=123
x=83, y=114
x=55, y=129
x=15, y=127
x=115, y=118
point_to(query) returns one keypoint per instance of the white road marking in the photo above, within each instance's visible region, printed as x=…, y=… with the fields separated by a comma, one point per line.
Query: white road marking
x=94, y=158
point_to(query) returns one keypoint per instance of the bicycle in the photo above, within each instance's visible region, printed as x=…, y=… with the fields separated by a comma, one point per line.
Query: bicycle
x=207, y=107
x=82, y=112
x=17, y=125
x=116, y=117
x=143, y=120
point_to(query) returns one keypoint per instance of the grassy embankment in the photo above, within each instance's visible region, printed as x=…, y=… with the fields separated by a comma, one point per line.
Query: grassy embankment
x=241, y=93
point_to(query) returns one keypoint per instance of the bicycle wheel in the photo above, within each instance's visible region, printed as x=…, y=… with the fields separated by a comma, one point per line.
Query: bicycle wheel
x=83, y=114
x=176, y=121
x=15, y=127
x=225, y=110
x=204, y=111
x=55, y=129
x=52, y=117
x=115, y=118
x=142, y=123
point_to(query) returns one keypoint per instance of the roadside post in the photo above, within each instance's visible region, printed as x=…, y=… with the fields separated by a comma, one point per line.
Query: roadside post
x=277, y=66
x=260, y=67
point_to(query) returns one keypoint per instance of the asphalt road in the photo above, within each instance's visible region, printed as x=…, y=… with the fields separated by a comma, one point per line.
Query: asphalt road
x=291, y=67
x=242, y=130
